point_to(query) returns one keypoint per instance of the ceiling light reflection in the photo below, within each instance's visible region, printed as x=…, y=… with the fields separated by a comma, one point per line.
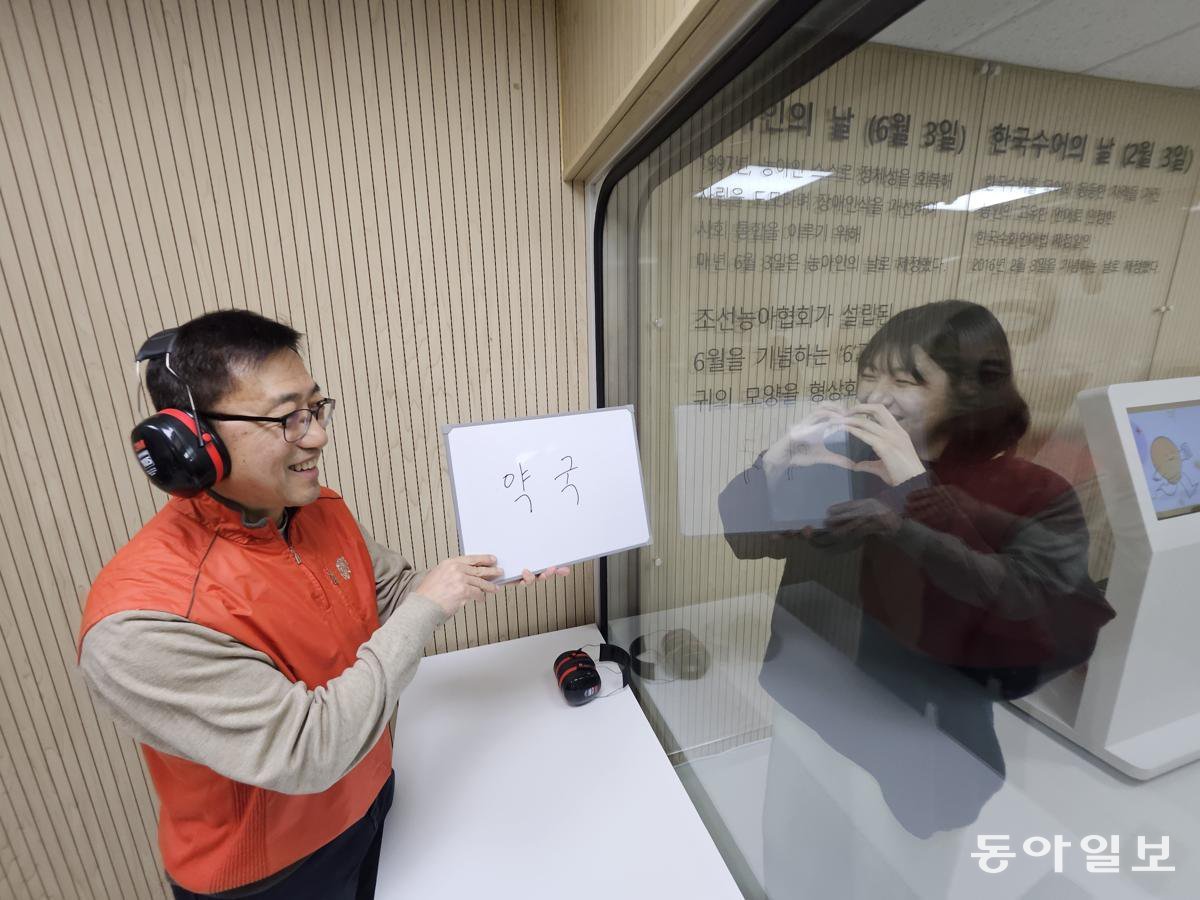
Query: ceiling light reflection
x=760, y=183
x=989, y=196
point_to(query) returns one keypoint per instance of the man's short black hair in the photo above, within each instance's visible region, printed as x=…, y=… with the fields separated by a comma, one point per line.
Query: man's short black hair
x=209, y=352
x=987, y=414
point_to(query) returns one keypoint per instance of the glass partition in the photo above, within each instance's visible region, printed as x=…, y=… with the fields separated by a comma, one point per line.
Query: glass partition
x=911, y=625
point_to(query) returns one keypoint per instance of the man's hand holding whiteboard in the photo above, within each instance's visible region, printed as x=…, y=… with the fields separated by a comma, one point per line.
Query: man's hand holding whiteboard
x=548, y=491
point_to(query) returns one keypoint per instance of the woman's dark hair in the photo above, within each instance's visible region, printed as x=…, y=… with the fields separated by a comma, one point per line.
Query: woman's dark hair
x=987, y=414
x=209, y=351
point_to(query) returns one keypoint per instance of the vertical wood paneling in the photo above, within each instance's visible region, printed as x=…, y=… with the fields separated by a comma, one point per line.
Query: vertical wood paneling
x=605, y=46
x=382, y=175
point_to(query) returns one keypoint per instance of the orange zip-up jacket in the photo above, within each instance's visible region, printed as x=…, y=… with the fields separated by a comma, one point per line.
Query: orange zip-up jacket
x=283, y=597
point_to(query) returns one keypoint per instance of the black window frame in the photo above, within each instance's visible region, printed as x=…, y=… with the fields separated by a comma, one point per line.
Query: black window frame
x=859, y=25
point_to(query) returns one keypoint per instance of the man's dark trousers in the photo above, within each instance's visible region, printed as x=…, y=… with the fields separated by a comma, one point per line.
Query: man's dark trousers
x=344, y=869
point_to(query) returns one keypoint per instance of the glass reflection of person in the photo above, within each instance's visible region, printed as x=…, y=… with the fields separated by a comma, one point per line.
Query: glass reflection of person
x=963, y=566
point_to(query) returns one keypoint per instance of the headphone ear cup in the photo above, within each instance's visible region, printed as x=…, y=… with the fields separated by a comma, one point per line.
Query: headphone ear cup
x=176, y=456
x=684, y=653
x=566, y=654
x=577, y=677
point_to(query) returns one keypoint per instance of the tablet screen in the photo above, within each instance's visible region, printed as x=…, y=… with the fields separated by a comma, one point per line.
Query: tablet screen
x=1167, y=436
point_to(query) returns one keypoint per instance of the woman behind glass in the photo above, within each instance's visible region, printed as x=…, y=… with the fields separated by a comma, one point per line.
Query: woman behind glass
x=963, y=569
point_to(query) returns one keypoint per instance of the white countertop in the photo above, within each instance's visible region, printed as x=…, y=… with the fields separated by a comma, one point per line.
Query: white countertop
x=503, y=790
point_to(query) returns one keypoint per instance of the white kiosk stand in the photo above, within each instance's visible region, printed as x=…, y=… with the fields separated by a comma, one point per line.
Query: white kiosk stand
x=1137, y=706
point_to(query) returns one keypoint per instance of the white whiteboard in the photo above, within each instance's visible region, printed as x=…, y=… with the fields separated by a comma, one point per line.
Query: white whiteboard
x=550, y=490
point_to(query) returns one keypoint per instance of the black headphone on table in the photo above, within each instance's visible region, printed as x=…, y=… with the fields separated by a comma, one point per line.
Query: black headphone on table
x=578, y=678
x=177, y=449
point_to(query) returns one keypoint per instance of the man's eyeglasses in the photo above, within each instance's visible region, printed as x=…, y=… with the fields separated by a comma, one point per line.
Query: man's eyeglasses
x=295, y=424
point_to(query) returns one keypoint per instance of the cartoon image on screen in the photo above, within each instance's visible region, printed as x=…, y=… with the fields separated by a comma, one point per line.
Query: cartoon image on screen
x=1164, y=436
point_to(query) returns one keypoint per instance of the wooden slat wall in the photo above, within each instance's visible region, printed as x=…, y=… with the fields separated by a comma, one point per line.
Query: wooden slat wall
x=619, y=62
x=605, y=45
x=383, y=175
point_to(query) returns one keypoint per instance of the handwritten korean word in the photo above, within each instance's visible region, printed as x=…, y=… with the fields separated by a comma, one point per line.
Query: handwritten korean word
x=510, y=481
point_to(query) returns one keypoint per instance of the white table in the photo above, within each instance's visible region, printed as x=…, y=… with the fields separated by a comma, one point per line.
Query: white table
x=502, y=790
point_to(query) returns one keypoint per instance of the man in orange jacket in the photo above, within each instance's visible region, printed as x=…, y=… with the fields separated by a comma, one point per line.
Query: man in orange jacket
x=255, y=639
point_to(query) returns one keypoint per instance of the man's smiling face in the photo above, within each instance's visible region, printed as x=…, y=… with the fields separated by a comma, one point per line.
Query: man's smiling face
x=267, y=473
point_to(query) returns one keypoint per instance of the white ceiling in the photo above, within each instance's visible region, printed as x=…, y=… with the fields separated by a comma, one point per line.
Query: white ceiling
x=1152, y=41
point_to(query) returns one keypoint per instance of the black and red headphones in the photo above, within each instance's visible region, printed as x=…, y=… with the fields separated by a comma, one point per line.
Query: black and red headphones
x=177, y=449
x=682, y=653
x=577, y=676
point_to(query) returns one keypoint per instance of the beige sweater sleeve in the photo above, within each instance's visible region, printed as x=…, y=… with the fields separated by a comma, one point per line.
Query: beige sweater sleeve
x=395, y=577
x=199, y=694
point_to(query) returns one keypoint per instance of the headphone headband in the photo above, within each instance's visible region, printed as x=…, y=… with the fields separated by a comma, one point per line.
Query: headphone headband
x=614, y=654
x=157, y=345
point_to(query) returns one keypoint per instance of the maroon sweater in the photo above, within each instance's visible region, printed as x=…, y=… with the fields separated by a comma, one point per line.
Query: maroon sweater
x=987, y=569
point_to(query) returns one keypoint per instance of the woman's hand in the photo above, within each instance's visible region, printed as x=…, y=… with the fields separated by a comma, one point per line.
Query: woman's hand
x=876, y=427
x=860, y=519
x=527, y=577
x=804, y=443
